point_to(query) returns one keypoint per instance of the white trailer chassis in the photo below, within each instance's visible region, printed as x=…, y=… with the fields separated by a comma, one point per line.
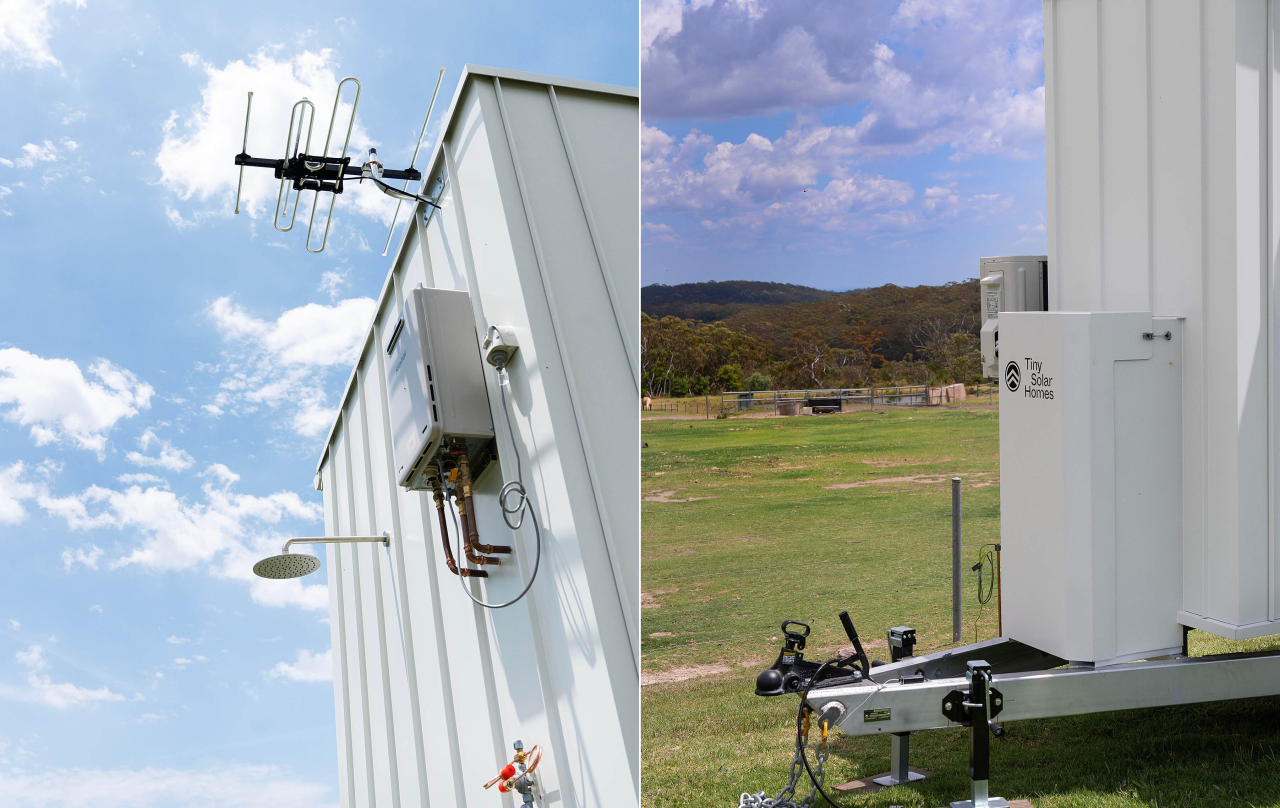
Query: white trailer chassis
x=893, y=706
x=1010, y=681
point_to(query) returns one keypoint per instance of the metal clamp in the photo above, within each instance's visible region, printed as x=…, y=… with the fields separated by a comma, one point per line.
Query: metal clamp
x=1168, y=335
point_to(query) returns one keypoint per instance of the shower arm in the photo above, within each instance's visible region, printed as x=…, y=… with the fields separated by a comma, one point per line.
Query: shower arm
x=384, y=539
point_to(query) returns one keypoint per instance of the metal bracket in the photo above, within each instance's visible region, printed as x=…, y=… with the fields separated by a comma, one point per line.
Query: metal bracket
x=1168, y=335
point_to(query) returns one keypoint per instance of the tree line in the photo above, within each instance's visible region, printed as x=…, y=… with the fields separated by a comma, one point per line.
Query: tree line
x=883, y=337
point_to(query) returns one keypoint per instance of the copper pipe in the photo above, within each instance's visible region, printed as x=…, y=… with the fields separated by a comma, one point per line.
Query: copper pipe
x=444, y=536
x=467, y=547
x=473, y=538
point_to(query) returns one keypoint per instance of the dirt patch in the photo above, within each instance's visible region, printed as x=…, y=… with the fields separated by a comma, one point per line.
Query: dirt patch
x=649, y=600
x=682, y=674
x=891, y=462
x=687, y=672
x=912, y=478
x=662, y=634
x=666, y=496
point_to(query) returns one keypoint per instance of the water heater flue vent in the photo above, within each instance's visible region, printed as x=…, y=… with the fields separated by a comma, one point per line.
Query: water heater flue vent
x=435, y=385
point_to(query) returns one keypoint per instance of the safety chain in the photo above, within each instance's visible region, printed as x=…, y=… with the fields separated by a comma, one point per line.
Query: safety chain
x=784, y=798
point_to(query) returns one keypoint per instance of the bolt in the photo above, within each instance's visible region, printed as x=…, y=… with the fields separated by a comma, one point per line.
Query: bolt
x=946, y=705
x=999, y=702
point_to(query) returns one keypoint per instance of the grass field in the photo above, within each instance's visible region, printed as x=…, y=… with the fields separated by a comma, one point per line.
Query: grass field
x=748, y=521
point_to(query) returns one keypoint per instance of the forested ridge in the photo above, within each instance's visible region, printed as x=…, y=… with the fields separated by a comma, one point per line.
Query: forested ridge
x=770, y=336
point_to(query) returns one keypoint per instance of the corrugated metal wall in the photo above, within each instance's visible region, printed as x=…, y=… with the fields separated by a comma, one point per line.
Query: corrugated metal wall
x=539, y=210
x=1161, y=162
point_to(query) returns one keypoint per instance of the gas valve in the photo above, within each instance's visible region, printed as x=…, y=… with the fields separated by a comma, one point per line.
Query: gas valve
x=517, y=775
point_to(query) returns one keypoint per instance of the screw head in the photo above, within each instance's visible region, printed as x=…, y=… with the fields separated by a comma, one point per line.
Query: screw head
x=999, y=702
x=946, y=705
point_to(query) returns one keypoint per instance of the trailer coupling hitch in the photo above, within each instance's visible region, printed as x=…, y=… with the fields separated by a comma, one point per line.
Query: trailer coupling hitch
x=792, y=673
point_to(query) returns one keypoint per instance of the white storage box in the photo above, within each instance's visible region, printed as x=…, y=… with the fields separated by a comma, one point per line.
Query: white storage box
x=1091, y=483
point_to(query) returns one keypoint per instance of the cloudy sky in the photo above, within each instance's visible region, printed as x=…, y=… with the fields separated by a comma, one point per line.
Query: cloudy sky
x=168, y=371
x=839, y=144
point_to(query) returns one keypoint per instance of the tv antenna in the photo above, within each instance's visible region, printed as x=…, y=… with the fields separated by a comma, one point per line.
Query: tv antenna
x=301, y=171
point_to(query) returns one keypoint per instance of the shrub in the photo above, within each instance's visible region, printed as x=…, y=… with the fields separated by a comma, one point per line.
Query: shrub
x=729, y=377
x=758, y=381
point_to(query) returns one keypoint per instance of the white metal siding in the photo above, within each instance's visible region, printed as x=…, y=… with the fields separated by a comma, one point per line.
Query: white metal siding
x=538, y=221
x=1160, y=152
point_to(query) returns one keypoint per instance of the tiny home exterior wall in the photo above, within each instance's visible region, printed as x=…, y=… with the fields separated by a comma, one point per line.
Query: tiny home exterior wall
x=537, y=180
x=1161, y=146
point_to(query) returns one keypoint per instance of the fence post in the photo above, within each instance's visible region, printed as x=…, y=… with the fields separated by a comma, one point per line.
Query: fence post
x=955, y=559
x=708, y=406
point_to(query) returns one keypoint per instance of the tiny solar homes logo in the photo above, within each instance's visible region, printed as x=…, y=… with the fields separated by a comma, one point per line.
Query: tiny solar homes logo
x=1012, y=376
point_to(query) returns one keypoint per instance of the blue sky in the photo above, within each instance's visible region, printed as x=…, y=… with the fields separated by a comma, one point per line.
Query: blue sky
x=168, y=372
x=840, y=145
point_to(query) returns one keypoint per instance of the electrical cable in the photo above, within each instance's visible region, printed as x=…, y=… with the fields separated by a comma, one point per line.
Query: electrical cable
x=985, y=560
x=804, y=702
x=524, y=507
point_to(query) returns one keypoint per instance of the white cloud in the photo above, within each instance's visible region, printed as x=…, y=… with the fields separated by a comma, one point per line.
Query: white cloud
x=654, y=231
x=42, y=690
x=169, y=458
x=224, y=474
x=804, y=178
x=33, y=154
x=926, y=74
x=81, y=556
x=330, y=282
x=174, y=640
x=194, y=158
x=14, y=624
x=96, y=608
x=181, y=661
x=308, y=667
x=13, y=490
x=313, y=335
x=284, y=361
x=25, y=29
x=53, y=398
x=141, y=479
x=32, y=658
x=807, y=179
x=225, y=533
x=234, y=786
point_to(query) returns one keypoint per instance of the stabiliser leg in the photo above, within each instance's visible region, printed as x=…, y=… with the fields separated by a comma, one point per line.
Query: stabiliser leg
x=975, y=709
x=902, y=641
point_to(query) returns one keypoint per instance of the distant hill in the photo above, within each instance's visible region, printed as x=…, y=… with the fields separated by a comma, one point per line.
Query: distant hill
x=899, y=312
x=714, y=300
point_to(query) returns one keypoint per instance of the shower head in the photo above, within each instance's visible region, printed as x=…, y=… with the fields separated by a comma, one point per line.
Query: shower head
x=296, y=565
x=288, y=565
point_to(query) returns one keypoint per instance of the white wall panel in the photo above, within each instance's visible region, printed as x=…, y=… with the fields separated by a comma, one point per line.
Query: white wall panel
x=538, y=220
x=1160, y=153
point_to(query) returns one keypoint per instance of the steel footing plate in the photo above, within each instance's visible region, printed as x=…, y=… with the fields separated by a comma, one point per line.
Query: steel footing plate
x=870, y=785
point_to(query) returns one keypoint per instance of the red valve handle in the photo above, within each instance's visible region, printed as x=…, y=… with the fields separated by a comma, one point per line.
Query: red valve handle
x=505, y=781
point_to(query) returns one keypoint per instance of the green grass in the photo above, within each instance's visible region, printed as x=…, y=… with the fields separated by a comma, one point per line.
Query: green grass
x=772, y=540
